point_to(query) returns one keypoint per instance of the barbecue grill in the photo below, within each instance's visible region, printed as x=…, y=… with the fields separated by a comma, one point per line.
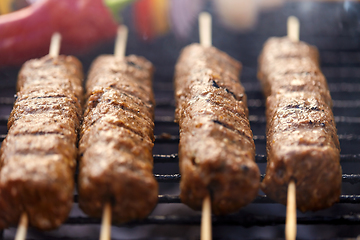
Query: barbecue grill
x=335, y=29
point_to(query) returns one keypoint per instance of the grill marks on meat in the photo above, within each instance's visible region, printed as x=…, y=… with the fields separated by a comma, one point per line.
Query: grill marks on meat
x=125, y=77
x=302, y=142
x=216, y=149
x=38, y=156
x=116, y=139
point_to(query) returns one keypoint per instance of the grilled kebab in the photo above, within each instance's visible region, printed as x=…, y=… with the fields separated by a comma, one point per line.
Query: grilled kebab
x=38, y=156
x=216, y=149
x=116, y=139
x=302, y=142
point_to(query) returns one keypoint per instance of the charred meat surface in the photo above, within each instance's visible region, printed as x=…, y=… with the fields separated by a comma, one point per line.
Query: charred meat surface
x=116, y=139
x=38, y=156
x=302, y=142
x=216, y=149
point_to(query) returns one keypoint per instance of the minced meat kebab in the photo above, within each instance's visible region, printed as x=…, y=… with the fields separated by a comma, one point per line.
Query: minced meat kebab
x=38, y=156
x=116, y=139
x=216, y=149
x=302, y=142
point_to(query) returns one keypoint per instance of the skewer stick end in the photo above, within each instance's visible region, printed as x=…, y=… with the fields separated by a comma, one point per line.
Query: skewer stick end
x=22, y=227
x=105, y=232
x=293, y=28
x=206, y=232
x=120, y=42
x=205, y=29
x=55, y=45
x=290, y=226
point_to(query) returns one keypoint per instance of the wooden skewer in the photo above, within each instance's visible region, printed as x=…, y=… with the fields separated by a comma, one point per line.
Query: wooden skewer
x=205, y=41
x=120, y=43
x=290, y=226
x=55, y=45
x=22, y=227
x=24, y=221
x=293, y=28
x=205, y=29
x=206, y=219
x=105, y=232
x=293, y=32
x=119, y=52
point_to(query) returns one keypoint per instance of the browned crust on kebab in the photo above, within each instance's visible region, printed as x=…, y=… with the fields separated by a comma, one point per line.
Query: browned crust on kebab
x=118, y=100
x=38, y=156
x=302, y=142
x=45, y=71
x=298, y=82
x=278, y=48
x=122, y=111
x=58, y=106
x=123, y=172
x=216, y=150
x=44, y=124
x=132, y=76
x=301, y=74
x=117, y=139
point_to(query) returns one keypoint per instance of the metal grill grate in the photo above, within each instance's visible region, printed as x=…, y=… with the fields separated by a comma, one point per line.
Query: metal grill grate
x=248, y=221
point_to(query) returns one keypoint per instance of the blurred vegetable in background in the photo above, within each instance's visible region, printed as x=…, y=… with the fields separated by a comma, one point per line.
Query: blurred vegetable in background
x=155, y=17
x=26, y=33
x=151, y=18
x=240, y=15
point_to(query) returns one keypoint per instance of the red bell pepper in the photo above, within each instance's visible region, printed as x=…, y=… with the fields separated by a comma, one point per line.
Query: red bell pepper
x=26, y=33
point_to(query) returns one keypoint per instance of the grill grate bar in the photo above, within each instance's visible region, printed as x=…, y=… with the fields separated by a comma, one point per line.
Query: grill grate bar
x=259, y=158
x=353, y=199
x=168, y=177
x=259, y=103
x=338, y=119
x=7, y=100
x=252, y=103
x=254, y=119
x=175, y=139
x=239, y=219
x=261, y=199
x=343, y=85
x=252, y=86
x=349, y=178
x=260, y=138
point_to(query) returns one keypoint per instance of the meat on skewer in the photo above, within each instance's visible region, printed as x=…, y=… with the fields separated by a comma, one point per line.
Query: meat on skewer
x=302, y=142
x=116, y=139
x=38, y=156
x=216, y=150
